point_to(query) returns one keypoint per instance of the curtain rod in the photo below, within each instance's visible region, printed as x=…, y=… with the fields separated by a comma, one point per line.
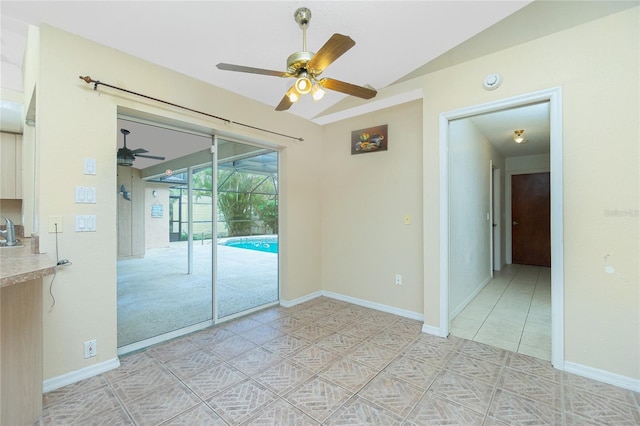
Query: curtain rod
x=88, y=79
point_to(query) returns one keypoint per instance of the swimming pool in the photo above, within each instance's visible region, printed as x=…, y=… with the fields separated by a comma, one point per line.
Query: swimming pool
x=268, y=244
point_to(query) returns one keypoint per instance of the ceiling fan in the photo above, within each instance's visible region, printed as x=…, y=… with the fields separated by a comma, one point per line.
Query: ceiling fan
x=126, y=156
x=307, y=66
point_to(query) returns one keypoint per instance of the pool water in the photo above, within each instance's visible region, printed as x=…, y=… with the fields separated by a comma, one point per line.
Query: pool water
x=269, y=245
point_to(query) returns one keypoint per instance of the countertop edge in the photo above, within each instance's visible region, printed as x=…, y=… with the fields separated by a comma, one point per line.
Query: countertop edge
x=18, y=265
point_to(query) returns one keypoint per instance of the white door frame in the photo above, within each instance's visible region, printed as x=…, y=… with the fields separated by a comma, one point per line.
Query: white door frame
x=554, y=97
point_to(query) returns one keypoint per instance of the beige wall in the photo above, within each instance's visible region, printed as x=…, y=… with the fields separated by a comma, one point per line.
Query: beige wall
x=596, y=65
x=156, y=233
x=365, y=197
x=74, y=122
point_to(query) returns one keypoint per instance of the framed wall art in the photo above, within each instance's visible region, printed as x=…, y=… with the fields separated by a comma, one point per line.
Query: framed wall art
x=372, y=139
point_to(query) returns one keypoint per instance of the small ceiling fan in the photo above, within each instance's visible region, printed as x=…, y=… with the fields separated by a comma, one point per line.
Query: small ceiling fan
x=126, y=156
x=307, y=66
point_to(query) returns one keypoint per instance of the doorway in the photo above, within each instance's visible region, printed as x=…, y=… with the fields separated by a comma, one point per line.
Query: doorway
x=553, y=97
x=178, y=270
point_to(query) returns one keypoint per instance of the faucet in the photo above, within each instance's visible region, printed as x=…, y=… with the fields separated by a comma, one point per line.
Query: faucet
x=9, y=233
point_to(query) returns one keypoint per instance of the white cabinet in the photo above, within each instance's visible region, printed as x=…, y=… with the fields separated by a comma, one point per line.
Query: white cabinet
x=10, y=166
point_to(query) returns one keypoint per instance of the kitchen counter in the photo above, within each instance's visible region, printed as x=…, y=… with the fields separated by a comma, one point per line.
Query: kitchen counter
x=21, y=289
x=19, y=264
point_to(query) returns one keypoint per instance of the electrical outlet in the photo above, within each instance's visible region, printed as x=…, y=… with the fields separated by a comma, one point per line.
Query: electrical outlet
x=398, y=279
x=90, y=349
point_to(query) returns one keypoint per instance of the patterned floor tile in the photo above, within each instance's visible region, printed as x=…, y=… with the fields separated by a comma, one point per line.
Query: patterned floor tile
x=142, y=382
x=281, y=413
x=161, y=405
x=602, y=389
x=532, y=387
x=436, y=350
x=336, y=321
x=285, y=345
x=287, y=324
x=416, y=372
x=406, y=326
x=318, y=398
x=392, y=393
x=199, y=415
x=349, y=374
x=187, y=365
x=261, y=334
x=359, y=411
x=254, y=360
x=173, y=349
x=311, y=332
x=516, y=409
x=267, y=315
x=340, y=343
x=485, y=371
x=434, y=410
x=239, y=402
x=531, y=365
x=283, y=376
x=314, y=358
x=485, y=352
x=463, y=390
x=241, y=325
x=214, y=379
x=129, y=364
x=231, y=347
x=210, y=335
x=600, y=408
x=70, y=391
x=81, y=406
x=361, y=329
x=374, y=356
x=392, y=339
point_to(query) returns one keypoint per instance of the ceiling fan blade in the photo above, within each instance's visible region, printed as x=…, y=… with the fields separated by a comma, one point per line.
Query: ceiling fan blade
x=138, y=151
x=251, y=70
x=332, y=50
x=284, y=104
x=153, y=157
x=348, y=88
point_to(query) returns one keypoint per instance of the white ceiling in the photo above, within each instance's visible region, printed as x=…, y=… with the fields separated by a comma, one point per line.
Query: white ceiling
x=392, y=38
x=395, y=40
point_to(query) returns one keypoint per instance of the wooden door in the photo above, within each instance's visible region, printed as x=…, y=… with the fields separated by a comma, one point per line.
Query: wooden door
x=531, y=219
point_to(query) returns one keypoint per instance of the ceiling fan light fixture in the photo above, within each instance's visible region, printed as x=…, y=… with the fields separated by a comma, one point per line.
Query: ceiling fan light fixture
x=303, y=85
x=316, y=92
x=293, y=94
x=125, y=159
x=518, y=136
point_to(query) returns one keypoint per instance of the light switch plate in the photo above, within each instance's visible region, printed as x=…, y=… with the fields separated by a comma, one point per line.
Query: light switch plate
x=89, y=166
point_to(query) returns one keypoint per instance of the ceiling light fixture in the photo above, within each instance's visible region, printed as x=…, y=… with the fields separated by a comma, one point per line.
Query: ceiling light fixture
x=303, y=84
x=293, y=94
x=518, y=136
x=316, y=92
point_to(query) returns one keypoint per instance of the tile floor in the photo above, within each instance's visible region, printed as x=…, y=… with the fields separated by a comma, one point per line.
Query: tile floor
x=512, y=312
x=334, y=363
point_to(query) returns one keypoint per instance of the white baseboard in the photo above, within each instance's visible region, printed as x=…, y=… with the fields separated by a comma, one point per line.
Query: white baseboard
x=75, y=376
x=436, y=331
x=602, y=376
x=294, y=302
x=377, y=306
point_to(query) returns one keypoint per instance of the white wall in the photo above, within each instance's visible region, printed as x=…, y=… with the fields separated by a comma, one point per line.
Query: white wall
x=470, y=154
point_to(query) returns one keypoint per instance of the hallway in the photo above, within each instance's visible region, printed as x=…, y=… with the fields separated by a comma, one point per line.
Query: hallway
x=512, y=312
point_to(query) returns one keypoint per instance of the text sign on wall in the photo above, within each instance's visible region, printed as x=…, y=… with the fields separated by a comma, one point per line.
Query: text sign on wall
x=156, y=210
